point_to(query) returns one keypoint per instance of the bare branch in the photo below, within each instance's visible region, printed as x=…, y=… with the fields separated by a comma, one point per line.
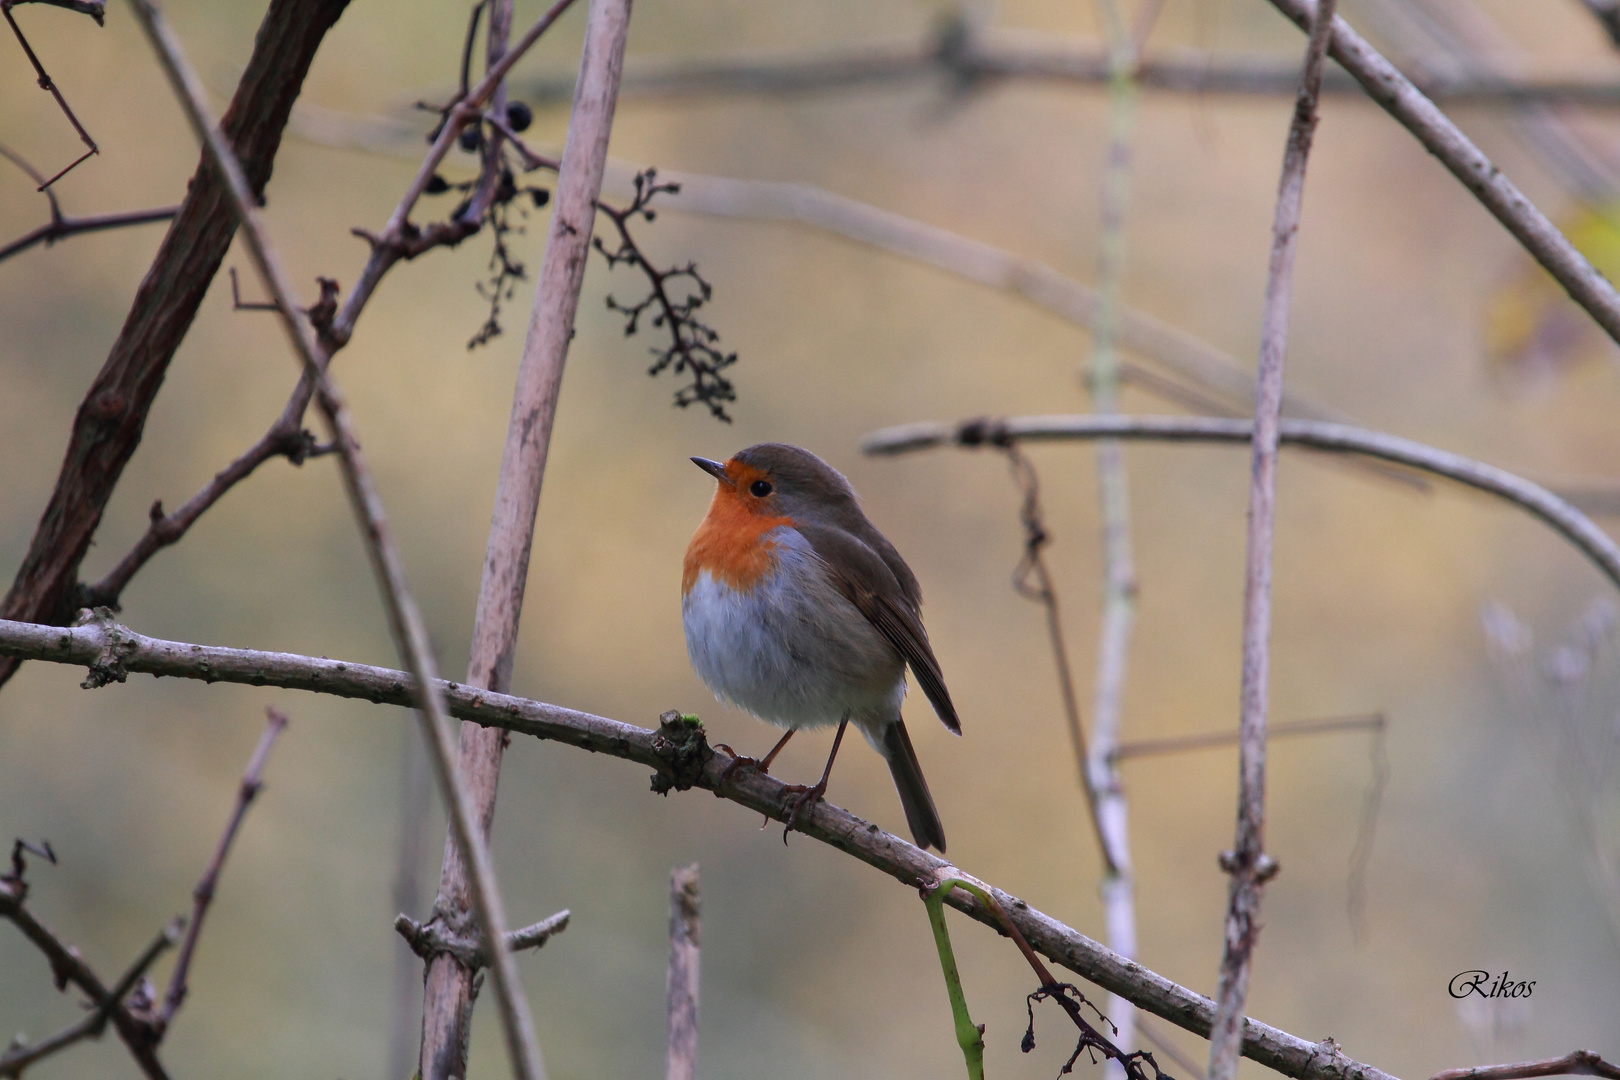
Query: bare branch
x=1404, y=101
x=1209, y=740
x=681, y=759
x=404, y=617
x=63, y=227
x=1247, y=863
x=96, y=9
x=681, y=987
x=448, y=991
x=108, y=426
x=958, y=57
x=46, y=84
x=203, y=895
x=1574, y=1063
x=67, y=966
x=434, y=938
x=1573, y=525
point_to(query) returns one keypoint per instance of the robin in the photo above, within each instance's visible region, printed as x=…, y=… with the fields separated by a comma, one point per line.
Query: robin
x=798, y=611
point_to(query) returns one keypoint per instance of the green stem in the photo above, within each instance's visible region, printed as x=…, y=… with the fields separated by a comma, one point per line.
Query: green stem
x=969, y=1036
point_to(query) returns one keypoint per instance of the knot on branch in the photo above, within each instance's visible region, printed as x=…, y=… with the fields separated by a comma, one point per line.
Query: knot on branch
x=682, y=749
x=465, y=944
x=983, y=431
x=1262, y=866
x=117, y=646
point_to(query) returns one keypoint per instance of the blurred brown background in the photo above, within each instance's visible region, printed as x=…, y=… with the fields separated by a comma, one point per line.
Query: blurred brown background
x=814, y=966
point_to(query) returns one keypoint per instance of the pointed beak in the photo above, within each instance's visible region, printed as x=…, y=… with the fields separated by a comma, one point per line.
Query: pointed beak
x=715, y=469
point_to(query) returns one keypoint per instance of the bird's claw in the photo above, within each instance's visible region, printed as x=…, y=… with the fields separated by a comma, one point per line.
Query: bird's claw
x=806, y=797
x=740, y=761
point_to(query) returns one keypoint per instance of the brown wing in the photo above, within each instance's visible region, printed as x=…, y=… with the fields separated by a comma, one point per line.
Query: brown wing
x=864, y=577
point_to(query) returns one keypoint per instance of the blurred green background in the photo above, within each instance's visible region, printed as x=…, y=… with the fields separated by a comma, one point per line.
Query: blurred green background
x=813, y=965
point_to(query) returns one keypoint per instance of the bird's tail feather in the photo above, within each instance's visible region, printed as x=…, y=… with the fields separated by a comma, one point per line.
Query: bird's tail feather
x=921, y=817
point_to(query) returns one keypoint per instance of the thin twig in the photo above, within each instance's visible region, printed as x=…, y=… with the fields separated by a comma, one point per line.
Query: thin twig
x=286, y=436
x=60, y=228
x=1574, y=1063
x=681, y=987
x=203, y=895
x=404, y=617
x=96, y=9
x=1510, y=206
x=1180, y=744
x=958, y=54
x=1564, y=519
x=68, y=966
x=45, y=83
x=680, y=758
x=1032, y=567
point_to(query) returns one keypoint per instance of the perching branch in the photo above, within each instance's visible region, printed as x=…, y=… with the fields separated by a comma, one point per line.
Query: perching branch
x=404, y=617
x=1247, y=863
x=680, y=758
x=681, y=986
x=61, y=227
x=1536, y=500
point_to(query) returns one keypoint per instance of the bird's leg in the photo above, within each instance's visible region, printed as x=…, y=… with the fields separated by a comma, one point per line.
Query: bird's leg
x=809, y=796
x=762, y=765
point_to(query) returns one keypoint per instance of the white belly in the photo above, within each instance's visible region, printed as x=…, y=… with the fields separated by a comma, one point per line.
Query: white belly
x=792, y=650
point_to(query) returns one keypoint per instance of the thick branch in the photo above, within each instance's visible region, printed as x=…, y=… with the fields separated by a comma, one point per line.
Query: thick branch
x=109, y=422
x=1573, y=525
x=448, y=991
x=680, y=760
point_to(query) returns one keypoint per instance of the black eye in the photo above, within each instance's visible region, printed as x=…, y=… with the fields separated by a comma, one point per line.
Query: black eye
x=760, y=488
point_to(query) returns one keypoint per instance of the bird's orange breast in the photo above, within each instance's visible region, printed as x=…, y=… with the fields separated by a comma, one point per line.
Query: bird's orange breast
x=730, y=543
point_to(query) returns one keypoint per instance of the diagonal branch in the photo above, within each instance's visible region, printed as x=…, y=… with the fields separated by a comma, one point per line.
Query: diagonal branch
x=68, y=967
x=1574, y=1063
x=203, y=895
x=404, y=617
x=1510, y=206
x=681, y=759
x=108, y=426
